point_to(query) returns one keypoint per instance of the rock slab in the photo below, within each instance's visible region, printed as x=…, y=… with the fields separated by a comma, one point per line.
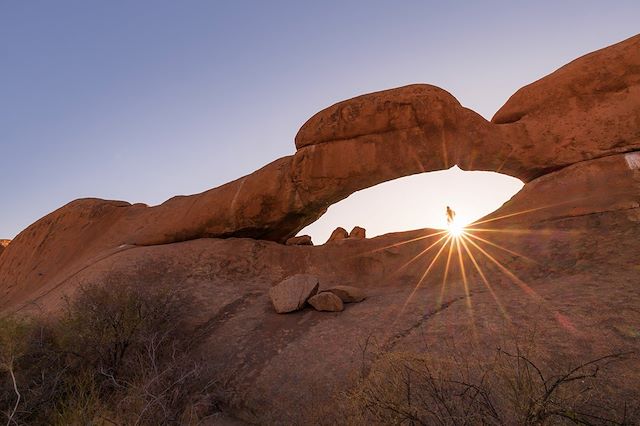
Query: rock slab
x=327, y=302
x=292, y=293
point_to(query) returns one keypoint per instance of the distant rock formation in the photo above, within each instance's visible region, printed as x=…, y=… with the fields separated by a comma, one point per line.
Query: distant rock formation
x=358, y=232
x=338, y=234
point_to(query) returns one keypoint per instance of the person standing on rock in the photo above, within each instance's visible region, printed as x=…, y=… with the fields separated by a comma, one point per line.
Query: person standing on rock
x=451, y=215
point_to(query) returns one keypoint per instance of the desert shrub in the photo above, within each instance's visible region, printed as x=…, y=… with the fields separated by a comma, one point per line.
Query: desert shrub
x=458, y=389
x=118, y=353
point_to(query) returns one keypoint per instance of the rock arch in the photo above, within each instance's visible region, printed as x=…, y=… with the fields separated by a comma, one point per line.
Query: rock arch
x=587, y=109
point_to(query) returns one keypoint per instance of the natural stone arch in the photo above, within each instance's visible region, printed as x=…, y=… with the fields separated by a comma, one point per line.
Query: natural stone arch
x=587, y=109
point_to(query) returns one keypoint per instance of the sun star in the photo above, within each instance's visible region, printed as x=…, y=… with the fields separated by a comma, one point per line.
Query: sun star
x=455, y=229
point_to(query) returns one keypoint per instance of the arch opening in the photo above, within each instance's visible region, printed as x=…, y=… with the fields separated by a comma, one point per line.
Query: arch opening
x=416, y=202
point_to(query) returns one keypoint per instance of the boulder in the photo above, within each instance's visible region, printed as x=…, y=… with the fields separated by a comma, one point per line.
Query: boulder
x=338, y=234
x=326, y=301
x=586, y=109
x=302, y=240
x=358, y=233
x=347, y=293
x=292, y=293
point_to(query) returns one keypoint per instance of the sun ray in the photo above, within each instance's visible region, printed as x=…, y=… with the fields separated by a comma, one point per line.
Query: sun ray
x=515, y=253
x=423, y=252
x=446, y=274
x=531, y=210
x=463, y=272
x=466, y=289
x=524, y=286
x=485, y=280
x=407, y=241
x=424, y=275
x=518, y=213
x=543, y=231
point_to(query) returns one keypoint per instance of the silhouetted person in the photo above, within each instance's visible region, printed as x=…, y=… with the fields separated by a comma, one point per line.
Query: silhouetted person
x=451, y=215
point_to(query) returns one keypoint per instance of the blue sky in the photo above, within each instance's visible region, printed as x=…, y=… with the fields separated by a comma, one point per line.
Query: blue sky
x=143, y=100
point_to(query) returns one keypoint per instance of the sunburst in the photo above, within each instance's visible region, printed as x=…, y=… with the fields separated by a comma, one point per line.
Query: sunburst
x=469, y=248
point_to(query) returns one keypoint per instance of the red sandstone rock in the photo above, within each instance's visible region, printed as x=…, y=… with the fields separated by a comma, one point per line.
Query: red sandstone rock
x=358, y=232
x=586, y=109
x=338, y=234
x=326, y=301
x=600, y=185
x=292, y=293
x=583, y=276
x=3, y=245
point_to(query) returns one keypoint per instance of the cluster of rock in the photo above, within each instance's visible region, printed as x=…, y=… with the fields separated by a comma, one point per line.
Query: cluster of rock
x=341, y=234
x=293, y=293
x=357, y=233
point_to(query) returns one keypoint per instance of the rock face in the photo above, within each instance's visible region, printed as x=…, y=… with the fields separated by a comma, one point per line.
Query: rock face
x=338, y=234
x=358, y=232
x=604, y=184
x=292, y=294
x=327, y=302
x=588, y=108
x=302, y=240
x=3, y=245
x=577, y=284
x=347, y=293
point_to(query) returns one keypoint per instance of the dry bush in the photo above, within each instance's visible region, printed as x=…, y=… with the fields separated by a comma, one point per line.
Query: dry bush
x=118, y=354
x=460, y=389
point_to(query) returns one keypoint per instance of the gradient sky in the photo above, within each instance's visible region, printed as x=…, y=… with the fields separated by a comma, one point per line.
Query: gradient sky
x=143, y=100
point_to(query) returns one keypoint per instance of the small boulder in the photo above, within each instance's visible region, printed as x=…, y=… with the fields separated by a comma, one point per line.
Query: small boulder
x=302, y=240
x=358, y=233
x=348, y=294
x=338, y=234
x=326, y=301
x=292, y=293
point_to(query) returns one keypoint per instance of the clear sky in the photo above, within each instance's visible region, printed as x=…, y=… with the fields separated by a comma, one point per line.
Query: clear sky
x=143, y=100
